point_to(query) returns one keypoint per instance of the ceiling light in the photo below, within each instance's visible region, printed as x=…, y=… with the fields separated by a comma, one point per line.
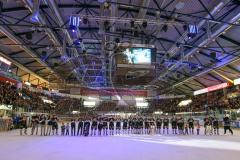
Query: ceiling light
x=34, y=17
x=132, y=23
x=144, y=24
x=28, y=35
x=165, y=28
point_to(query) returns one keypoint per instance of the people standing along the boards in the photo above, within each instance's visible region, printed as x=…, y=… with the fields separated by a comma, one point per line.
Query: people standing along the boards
x=174, y=124
x=227, y=124
x=115, y=126
x=43, y=125
x=35, y=124
x=23, y=125
x=73, y=127
x=80, y=127
x=216, y=125
x=191, y=125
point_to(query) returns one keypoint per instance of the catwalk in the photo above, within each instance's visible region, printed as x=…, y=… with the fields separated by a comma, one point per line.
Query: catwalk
x=128, y=147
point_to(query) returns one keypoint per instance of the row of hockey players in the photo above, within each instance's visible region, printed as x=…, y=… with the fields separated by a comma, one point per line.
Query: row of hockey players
x=133, y=125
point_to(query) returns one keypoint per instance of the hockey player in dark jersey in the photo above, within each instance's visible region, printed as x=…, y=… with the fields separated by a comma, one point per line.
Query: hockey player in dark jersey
x=140, y=125
x=111, y=127
x=94, y=127
x=130, y=125
x=165, y=124
x=174, y=125
x=147, y=126
x=191, y=125
x=100, y=127
x=180, y=124
x=118, y=127
x=215, y=125
x=207, y=125
x=125, y=126
x=86, y=127
x=105, y=127
x=159, y=125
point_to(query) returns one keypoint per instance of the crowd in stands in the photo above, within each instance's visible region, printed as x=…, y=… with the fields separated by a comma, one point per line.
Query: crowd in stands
x=29, y=101
x=33, y=102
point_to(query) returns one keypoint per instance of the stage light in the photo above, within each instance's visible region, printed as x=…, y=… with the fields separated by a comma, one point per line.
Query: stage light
x=74, y=23
x=178, y=76
x=132, y=23
x=117, y=40
x=85, y=20
x=106, y=25
x=73, y=28
x=35, y=14
x=192, y=30
x=135, y=33
x=44, y=53
x=144, y=24
x=78, y=41
x=185, y=102
x=165, y=28
x=178, y=45
x=55, y=65
x=185, y=27
x=29, y=35
x=213, y=55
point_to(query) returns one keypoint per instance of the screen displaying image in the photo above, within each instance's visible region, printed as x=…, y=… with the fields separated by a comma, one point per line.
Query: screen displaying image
x=137, y=55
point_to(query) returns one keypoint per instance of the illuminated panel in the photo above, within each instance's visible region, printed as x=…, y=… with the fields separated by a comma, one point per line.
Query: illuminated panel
x=236, y=81
x=185, y=102
x=89, y=103
x=4, y=60
x=217, y=87
x=201, y=91
x=212, y=88
x=141, y=104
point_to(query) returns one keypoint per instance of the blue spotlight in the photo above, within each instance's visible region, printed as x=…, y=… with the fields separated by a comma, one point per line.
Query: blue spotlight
x=34, y=18
x=77, y=42
x=74, y=23
x=192, y=30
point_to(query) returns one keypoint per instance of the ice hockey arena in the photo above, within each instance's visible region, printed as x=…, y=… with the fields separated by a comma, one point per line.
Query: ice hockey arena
x=119, y=79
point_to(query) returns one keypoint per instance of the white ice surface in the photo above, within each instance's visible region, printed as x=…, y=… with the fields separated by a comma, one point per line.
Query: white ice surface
x=130, y=147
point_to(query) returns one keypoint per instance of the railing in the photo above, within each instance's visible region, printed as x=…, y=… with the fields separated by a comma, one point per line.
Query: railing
x=5, y=124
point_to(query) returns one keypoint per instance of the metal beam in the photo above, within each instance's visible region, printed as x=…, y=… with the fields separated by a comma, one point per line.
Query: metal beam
x=232, y=68
x=29, y=51
x=208, y=56
x=23, y=67
x=53, y=6
x=27, y=63
x=174, y=49
x=230, y=40
x=216, y=78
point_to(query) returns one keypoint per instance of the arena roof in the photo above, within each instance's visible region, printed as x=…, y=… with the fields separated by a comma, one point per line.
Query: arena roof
x=182, y=64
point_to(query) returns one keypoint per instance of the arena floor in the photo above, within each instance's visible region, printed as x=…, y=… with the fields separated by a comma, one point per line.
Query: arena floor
x=131, y=147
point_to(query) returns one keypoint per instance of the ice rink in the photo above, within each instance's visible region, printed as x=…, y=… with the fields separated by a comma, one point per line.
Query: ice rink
x=128, y=147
